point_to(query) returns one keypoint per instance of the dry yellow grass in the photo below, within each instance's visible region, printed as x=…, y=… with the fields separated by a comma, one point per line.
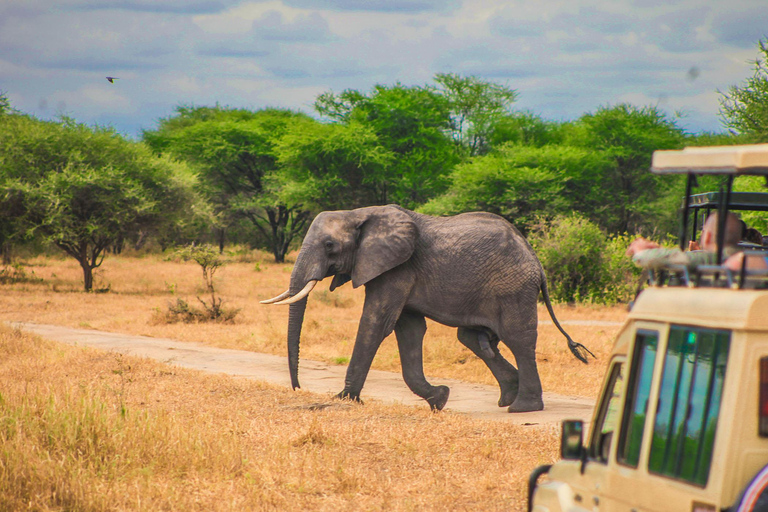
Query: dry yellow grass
x=84, y=430
x=141, y=286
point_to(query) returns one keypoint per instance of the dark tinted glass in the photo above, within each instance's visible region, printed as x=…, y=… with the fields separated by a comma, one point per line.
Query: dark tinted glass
x=689, y=402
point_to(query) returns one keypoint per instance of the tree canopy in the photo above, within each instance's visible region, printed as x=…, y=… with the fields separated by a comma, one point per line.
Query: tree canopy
x=86, y=189
x=234, y=152
x=744, y=108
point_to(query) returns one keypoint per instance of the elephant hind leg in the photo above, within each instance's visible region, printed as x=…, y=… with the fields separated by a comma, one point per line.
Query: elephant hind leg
x=523, y=345
x=504, y=372
x=409, y=331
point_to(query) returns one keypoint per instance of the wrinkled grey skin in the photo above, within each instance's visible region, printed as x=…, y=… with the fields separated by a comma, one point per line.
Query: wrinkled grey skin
x=473, y=271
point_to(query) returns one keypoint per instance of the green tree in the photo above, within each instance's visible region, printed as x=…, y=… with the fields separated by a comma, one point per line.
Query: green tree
x=86, y=188
x=234, y=150
x=477, y=107
x=524, y=128
x=744, y=108
x=413, y=123
x=631, y=198
x=522, y=183
x=333, y=166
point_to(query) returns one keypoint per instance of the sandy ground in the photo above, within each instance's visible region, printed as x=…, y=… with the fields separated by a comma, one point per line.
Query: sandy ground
x=474, y=399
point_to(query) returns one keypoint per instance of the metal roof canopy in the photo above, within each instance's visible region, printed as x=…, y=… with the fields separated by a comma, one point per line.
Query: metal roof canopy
x=725, y=160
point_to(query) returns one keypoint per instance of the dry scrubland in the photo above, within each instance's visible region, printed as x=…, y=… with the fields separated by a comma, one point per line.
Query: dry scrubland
x=88, y=430
x=83, y=430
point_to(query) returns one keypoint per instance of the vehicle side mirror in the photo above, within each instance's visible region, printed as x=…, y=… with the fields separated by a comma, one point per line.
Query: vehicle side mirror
x=572, y=440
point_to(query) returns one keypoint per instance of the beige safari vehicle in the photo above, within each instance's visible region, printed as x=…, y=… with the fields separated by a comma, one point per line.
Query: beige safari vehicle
x=682, y=420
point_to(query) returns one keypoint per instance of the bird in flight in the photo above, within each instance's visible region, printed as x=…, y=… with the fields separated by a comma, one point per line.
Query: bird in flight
x=112, y=79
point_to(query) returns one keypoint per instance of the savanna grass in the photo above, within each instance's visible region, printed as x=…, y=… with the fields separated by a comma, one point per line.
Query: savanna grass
x=84, y=430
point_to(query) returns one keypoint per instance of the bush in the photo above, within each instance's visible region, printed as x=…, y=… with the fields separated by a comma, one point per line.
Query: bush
x=582, y=263
x=209, y=259
x=15, y=273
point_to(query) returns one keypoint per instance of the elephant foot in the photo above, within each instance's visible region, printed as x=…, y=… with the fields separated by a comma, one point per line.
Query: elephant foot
x=508, y=396
x=439, y=397
x=348, y=395
x=526, y=405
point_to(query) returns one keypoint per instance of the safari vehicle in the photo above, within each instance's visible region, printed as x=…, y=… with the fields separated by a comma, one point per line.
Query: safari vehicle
x=682, y=421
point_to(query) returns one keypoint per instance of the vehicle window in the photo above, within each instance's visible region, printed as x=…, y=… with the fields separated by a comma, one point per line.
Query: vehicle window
x=636, y=407
x=689, y=402
x=599, y=447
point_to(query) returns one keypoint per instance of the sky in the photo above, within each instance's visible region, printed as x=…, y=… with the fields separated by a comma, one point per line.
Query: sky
x=564, y=58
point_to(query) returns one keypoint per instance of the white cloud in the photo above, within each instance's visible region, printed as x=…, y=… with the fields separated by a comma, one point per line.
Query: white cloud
x=565, y=57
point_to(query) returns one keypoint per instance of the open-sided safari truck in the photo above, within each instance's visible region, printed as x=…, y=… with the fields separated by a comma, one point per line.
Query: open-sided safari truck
x=682, y=421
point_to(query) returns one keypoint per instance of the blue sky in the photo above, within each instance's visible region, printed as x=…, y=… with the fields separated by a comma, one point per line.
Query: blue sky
x=565, y=58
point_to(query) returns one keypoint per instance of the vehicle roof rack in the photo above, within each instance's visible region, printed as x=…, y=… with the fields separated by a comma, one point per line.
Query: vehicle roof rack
x=733, y=160
x=753, y=201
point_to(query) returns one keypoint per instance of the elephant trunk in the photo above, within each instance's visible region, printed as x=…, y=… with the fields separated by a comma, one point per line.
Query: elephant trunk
x=299, y=289
x=295, y=320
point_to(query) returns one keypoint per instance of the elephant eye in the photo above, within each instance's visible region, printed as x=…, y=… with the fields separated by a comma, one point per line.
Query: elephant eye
x=329, y=246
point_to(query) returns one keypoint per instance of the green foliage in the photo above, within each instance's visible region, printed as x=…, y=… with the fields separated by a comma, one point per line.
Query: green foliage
x=410, y=123
x=5, y=104
x=86, y=188
x=522, y=183
x=477, y=106
x=582, y=263
x=524, y=128
x=333, y=166
x=627, y=192
x=16, y=273
x=744, y=108
x=235, y=152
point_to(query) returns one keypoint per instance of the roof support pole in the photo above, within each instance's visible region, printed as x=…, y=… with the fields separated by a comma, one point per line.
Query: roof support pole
x=686, y=207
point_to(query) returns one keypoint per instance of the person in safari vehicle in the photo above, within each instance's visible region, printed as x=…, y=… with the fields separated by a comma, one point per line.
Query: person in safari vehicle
x=649, y=254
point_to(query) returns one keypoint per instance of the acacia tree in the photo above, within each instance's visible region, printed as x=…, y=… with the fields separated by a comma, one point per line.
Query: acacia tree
x=744, y=108
x=234, y=151
x=85, y=188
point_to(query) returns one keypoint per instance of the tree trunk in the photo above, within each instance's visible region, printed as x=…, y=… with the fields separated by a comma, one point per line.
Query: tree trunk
x=87, y=276
x=5, y=247
x=221, y=235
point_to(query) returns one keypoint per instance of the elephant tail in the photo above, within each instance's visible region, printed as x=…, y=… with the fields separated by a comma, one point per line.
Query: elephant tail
x=578, y=350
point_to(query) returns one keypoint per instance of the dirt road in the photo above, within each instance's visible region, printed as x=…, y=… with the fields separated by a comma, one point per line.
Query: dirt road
x=475, y=399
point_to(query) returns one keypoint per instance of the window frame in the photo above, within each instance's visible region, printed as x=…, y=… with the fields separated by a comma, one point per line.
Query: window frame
x=632, y=387
x=596, y=441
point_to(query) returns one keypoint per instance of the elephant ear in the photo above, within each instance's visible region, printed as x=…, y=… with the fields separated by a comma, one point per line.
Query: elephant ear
x=387, y=239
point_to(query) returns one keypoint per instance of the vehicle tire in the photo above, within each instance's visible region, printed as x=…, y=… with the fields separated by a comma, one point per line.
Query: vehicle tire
x=755, y=495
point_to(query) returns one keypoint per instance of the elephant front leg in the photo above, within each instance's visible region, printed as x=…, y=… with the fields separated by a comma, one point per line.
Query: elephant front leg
x=506, y=374
x=409, y=330
x=377, y=323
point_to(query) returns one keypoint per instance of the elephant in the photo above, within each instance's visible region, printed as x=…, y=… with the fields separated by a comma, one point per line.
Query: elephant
x=474, y=271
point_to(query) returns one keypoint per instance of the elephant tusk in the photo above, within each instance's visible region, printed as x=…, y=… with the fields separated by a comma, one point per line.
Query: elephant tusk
x=296, y=298
x=283, y=295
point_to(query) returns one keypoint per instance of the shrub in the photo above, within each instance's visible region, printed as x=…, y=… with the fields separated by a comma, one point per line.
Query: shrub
x=582, y=263
x=210, y=261
x=15, y=273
